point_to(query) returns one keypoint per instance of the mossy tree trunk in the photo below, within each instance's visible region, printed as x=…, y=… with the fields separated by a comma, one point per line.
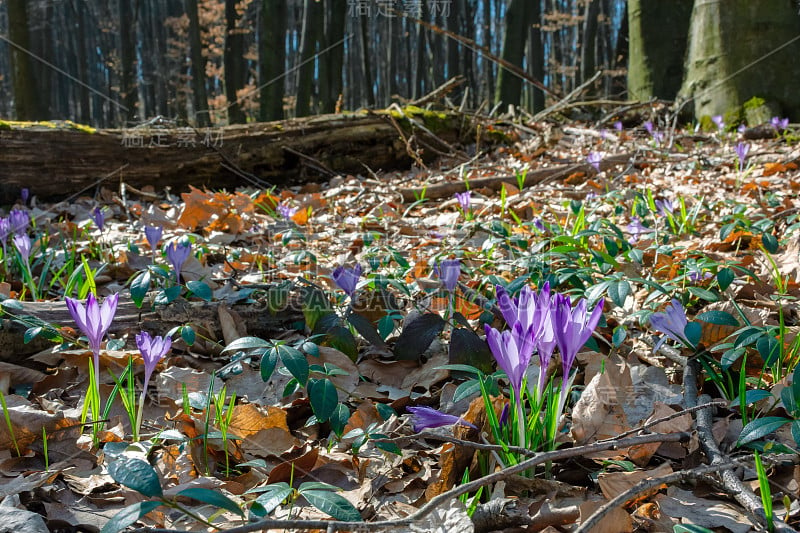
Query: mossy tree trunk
x=26, y=95
x=658, y=32
x=728, y=61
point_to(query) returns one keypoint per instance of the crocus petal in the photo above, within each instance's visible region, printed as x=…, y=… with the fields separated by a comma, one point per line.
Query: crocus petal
x=427, y=418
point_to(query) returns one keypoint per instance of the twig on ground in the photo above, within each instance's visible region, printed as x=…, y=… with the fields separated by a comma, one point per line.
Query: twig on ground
x=732, y=484
x=676, y=414
x=455, y=492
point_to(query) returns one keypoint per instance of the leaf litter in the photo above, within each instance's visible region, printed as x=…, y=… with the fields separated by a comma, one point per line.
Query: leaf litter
x=637, y=228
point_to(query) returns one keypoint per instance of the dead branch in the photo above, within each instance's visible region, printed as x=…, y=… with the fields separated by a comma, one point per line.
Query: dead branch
x=455, y=492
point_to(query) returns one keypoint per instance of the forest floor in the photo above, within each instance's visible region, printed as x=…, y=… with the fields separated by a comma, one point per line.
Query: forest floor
x=241, y=432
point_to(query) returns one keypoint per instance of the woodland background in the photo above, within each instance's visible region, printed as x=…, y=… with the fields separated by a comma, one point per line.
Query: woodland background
x=110, y=63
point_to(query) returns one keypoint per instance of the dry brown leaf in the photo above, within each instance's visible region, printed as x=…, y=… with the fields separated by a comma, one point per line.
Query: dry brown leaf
x=613, y=484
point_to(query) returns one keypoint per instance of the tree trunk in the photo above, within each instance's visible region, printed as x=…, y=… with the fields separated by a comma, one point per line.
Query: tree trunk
x=127, y=53
x=365, y=65
x=234, y=63
x=26, y=104
x=272, y=59
x=657, y=31
x=313, y=17
x=589, y=40
x=335, y=56
x=536, y=55
x=198, y=66
x=728, y=64
x=509, y=86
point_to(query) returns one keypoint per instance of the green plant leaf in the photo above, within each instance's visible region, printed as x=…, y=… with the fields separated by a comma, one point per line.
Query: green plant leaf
x=693, y=332
x=247, y=343
x=295, y=362
x=769, y=349
x=619, y=336
x=751, y=397
x=333, y=504
x=272, y=498
x=469, y=349
x=168, y=295
x=770, y=242
x=703, y=294
x=721, y=318
x=618, y=291
x=365, y=329
x=690, y=528
x=725, y=277
x=269, y=360
x=200, y=289
x=128, y=516
x=760, y=427
x=466, y=389
x=796, y=384
x=339, y=337
x=324, y=398
x=385, y=410
x=31, y=333
x=385, y=326
x=417, y=336
x=316, y=485
x=139, y=287
x=212, y=498
x=339, y=419
x=136, y=474
x=796, y=431
x=188, y=335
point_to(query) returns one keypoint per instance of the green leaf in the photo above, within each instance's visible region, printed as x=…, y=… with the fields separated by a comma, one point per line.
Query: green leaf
x=295, y=362
x=751, y=397
x=385, y=326
x=725, y=277
x=796, y=384
x=272, y=498
x=128, y=516
x=770, y=242
x=721, y=318
x=693, y=332
x=365, y=329
x=212, y=498
x=10, y=304
x=769, y=349
x=333, y=504
x=339, y=337
x=139, y=287
x=188, y=335
x=324, y=398
x=796, y=431
x=339, y=419
x=385, y=410
x=467, y=348
x=417, y=336
x=168, y=295
x=730, y=357
x=136, y=474
x=246, y=343
x=200, y=289
x=466, y=389
x=31, y=333
x=703, y=294
x=269, y=360
x=619, y=336
x=316, y=485
x=761, y=427
x=618, y=291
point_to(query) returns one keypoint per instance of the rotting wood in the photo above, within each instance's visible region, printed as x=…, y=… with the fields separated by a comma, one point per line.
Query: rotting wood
x=57, y=159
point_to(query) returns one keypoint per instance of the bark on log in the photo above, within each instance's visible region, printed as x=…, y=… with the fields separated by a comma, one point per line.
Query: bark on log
x=130, y=319
x=58, y=159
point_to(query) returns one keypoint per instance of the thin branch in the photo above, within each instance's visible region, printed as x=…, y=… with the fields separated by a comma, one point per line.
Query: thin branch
x=449, y=495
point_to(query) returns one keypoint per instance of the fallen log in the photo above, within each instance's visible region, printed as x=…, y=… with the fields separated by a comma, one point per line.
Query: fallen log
x=55, y=160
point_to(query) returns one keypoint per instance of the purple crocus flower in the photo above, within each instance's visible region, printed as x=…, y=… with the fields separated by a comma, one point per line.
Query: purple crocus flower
x=742, y=128
x=99, y=218
x=23, y=246
x=464, y=200
x=513, y=350
x=672, y=323
x=177, y=255
x=635, y=228
x=94, y=321
x=718, y=121
x=153, y=235
x=503, y=420
x=741, y=152
x=618, y=125
x=538, y=223
x=427, y=417
x=347, y=278
x=655, y=134
x=24, y=194
x=448, y=271
x=695, y=276
x=594, y=159
x=286, y=211
x=5, y=231
x=664, y=207
x=153, y=349
x=19, y=220
x=779, y=124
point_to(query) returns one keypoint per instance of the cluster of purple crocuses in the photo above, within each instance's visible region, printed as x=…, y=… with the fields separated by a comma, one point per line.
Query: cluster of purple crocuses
x=94, y=320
